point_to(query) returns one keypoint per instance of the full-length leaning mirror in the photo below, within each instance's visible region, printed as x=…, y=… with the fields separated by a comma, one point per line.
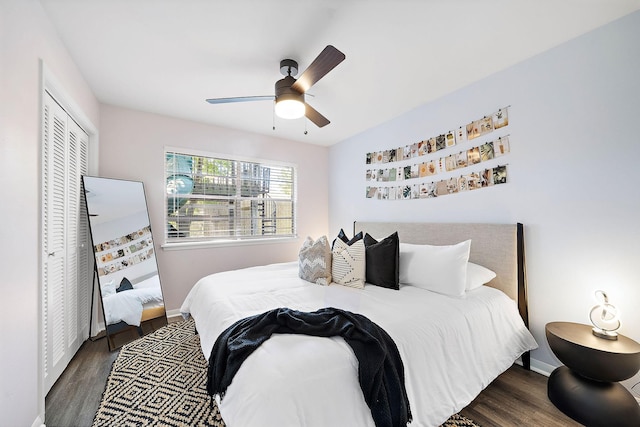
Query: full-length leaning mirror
x=125, y=261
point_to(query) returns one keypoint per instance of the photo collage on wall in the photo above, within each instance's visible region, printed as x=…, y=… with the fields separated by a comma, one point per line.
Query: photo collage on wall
x=123, y=252
x=407, y=172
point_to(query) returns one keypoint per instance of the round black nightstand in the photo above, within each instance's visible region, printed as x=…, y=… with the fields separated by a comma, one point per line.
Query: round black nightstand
x=587, y=388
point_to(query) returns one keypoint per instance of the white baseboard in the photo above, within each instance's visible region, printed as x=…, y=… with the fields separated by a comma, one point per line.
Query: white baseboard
x=38, y=422
x=541, y=367
x=538, y=366
x=173, y=314
x=98, y=329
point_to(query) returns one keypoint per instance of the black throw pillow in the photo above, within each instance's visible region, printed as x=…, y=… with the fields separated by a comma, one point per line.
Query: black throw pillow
x=383, y=261
x=125, y=285
x=342, y=236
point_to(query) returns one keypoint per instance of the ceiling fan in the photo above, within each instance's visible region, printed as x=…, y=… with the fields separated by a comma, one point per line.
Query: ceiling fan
x=290, y=92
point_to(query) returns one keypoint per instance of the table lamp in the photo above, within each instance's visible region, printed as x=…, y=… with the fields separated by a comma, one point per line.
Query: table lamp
x=604, y=318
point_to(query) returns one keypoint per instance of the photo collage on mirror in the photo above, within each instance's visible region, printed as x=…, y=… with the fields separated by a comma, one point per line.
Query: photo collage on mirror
x=125, y=251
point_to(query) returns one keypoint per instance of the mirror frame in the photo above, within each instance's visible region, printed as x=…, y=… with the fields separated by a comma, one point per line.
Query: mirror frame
x=134, y=248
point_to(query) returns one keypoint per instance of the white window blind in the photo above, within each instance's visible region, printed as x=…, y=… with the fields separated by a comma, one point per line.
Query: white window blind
x=211, y=198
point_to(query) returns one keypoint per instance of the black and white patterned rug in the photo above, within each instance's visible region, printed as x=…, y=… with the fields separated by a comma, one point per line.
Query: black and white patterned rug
x=160, y=380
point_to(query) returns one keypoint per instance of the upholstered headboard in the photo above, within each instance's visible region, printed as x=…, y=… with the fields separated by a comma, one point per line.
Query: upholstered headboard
x=499, y=247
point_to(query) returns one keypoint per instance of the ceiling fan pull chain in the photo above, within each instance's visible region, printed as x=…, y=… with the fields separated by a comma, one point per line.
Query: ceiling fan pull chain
x=273, y=115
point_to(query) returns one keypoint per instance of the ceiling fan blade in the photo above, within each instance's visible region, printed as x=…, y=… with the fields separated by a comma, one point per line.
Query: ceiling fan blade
x=313, y=115
x=240, y=99
x=328, y=59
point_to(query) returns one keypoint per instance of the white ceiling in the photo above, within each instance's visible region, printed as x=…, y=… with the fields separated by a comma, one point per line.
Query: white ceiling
x=113, y=199
x=168, y=56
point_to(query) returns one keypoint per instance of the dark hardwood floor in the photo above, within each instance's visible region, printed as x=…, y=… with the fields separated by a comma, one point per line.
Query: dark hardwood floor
x=516, y=398
x=74, y=398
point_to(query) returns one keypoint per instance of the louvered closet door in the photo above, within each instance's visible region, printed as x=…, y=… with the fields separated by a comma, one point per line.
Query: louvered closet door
x=65, y=276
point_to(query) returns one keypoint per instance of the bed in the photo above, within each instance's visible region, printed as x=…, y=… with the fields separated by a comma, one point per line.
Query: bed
x=133, y=306
x=451, y=347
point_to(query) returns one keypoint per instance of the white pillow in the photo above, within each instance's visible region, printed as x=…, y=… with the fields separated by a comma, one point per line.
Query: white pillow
x=441, y=269
x=348, y=264
x=478, y=275
x=108, y=288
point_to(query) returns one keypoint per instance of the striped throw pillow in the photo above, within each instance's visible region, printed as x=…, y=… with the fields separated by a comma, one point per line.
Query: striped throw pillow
x=348, y=264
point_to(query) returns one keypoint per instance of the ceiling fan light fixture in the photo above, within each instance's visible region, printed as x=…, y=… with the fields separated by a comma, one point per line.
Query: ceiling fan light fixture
x=290, y=93
x=289, y=107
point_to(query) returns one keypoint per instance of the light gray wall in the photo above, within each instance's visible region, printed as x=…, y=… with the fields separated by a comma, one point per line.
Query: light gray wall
x=572, y=173
x=26, y=37
x=132, y=147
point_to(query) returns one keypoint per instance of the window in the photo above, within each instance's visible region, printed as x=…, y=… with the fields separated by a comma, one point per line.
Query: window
x=217, y=199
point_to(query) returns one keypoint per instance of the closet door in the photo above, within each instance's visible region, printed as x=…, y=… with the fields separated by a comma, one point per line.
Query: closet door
x=65, y=277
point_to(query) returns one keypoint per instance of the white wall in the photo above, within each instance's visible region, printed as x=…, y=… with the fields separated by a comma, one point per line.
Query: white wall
x=132, y=147
x=25, y=37
x=572, y=173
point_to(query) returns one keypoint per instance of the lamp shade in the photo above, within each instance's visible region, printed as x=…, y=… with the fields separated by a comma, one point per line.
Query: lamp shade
x=288, y=107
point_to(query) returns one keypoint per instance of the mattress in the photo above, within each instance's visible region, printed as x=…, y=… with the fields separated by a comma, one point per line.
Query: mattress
x=451, y=347
x=128, y=306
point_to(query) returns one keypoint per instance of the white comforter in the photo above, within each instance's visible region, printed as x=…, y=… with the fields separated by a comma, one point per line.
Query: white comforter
x=452, y=348
x=128, y=305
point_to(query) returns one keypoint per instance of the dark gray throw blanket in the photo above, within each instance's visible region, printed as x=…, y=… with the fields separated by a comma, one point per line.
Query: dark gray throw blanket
x=381, y=373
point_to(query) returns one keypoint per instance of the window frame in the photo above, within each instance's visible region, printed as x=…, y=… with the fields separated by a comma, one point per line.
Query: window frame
x=228, y=240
